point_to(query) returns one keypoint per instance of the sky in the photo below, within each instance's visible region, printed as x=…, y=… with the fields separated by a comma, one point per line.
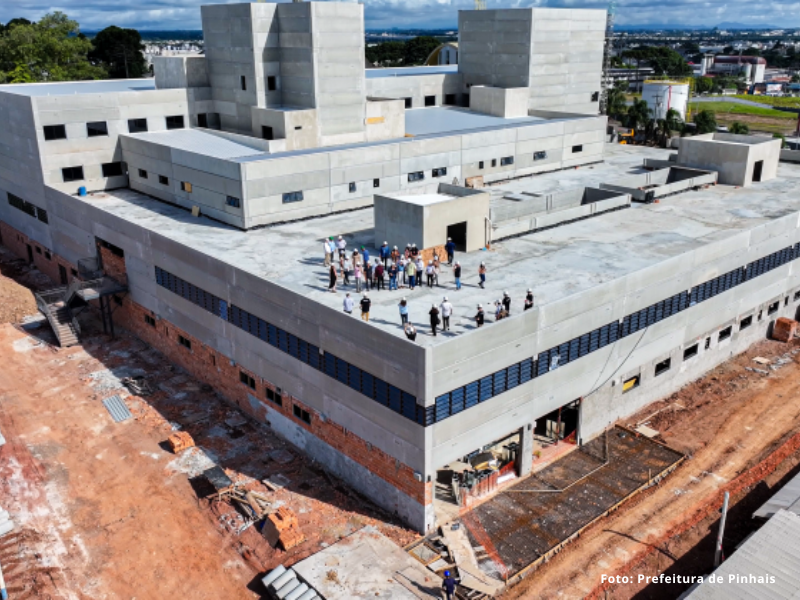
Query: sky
x=379, y=14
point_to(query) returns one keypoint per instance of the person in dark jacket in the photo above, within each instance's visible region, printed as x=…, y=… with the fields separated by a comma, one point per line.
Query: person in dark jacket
x=449, y=585
x=479, y=316
x=507, y=302
x=365, y=304
x=411, y=331
x=450, y=248
x=385, y=253
x=378, y=276
x=529, y=299
x=457, y=275
x=434, y=314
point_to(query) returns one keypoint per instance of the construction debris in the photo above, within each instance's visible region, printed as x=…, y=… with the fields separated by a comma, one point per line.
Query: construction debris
x=281, y=528
x=784, y=329
x=180, y=441
x=646, y=431
x=761, y=360
x=137, y=385
x=117, y=409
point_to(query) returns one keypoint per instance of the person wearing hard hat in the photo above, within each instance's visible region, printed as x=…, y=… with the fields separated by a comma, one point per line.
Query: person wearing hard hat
x=507, y=302
x=482, y=274
x=385, y=254
x=450, y=248
x=434, y=314
x=479, y=316
x=429, y=273
x=365, y=304
x=529, y=299
x=449, y=585
x=446, y=309
x=395, y=255
x=457, y=274
x=341, y=244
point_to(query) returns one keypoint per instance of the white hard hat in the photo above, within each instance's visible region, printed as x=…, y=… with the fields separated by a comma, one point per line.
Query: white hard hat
x=395, y=248
x=366, y=295
x=505, y=293
x=404, y=298
x=449, y=239
x=480, y=305
x=458, y=263
x=340, y=237
x=444, y=299
x=430, y=262
x=530, y=290
x=483, y=264
x=385, y=243
x=433, y=306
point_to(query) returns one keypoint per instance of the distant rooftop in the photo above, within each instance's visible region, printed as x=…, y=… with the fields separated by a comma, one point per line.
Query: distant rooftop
x=409, y=71
x=556, y=263
x=448, y=119
x=70, y=88
x=424, y=199
x=201, y=141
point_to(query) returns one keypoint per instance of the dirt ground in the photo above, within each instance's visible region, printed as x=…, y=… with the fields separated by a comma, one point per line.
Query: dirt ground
x=18, y=279
x=105, y=510
x=726, y=422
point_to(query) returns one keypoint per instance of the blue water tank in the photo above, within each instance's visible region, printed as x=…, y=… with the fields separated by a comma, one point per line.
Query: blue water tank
x=82, y=190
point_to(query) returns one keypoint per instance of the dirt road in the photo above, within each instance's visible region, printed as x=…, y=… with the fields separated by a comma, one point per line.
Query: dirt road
x=726, y=421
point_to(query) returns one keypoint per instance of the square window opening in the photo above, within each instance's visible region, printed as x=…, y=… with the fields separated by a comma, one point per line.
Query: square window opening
x=450, y=99
x=272, y=83
x=578, y=148
x=233, y=201
x=376, y=183
x=409, y=102
x=163, y=180
x=298, y=127
x=289, y=197
x=137, y=125
x=202, y=120
x=494, y=162
x=690, y=352
x=773, y=308
x=72, y=174
x=430, y=100
x=301, y=414
x=150, y=320
x=55, y=132
x=247, y=380
x=185, y=342
x=725, y=333
x=480, y=165
x=186, y=187
x=142, y=174
x=97, y=129
x=274, y=397
x=175, y=122
x=746, y=322
x=663, y=366
x=352, y=186
x=267, y=133
x=416, y=176
x=507, y=160
x=541, y=155
x=113, y=169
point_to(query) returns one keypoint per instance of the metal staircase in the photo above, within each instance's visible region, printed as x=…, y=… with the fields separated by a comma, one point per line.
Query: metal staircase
x=59, y=315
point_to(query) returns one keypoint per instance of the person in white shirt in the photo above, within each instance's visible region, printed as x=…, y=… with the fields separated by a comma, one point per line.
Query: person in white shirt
x=327, y=248
x=348, y=304
x=342, y=246
x=446, y=308
x=429, y=272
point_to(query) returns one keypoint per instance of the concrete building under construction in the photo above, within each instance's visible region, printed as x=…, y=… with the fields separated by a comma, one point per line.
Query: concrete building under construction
x=192, y=210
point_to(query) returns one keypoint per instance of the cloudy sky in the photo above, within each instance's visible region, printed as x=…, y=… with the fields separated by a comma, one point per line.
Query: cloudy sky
x=185, y=14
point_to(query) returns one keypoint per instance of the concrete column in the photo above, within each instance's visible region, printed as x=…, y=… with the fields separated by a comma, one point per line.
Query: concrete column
x=525, y=455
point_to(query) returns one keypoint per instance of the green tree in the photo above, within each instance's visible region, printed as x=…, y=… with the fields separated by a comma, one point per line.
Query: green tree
x=780, y=137
x=795, y=78
x=752, y=52
x=49, y=50
x=418, y=49
x=665, y=61
x=705, y=121
x=739, y=128
x=616, y=101
x=690, y=47
x=703, y=85
x=386, y=53
x=120, y=51
x=638, y=115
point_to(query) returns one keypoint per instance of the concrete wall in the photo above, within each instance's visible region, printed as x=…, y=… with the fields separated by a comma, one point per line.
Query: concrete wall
x=386, y=119
x=500, y=102
x=732, y=156
x=417, y=87
x=178, y=72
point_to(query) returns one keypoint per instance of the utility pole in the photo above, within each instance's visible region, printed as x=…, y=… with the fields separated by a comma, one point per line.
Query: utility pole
x=718, y=552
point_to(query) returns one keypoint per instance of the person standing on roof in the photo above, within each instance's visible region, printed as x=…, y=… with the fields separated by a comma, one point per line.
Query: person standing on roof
x=358, y=276
x=401, y=268
x=430, y=272
x=457, y=274
x=498, y=310
x=446, y=309
x=479, y=316
x=365, y=304
x=482, y=274
x=378, y=274
x=403, y=306
x=386, y=252
x=395, y=254
x=411, y=271
x=529, y=299
x=347, y=267
x=348, y=304
x=434, y=314
x=392, y=276
x=327, y=248
x=368, y=275
x=450, y=248
x=436, y=267
x=332, y=276
x=414, y=250
x=341, y=244
x=449, y=585
x=507, y=303
x=365, y=254
x=420, y=269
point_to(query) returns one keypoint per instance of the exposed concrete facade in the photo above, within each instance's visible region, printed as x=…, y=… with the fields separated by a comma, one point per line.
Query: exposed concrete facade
x=739, y=159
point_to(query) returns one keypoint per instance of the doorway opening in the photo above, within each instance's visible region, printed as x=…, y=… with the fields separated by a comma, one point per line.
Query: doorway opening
x=30, y=253
x=62, y=274
x=560, y=424
x=458, y=233
x=757, y=169
x=267, y=133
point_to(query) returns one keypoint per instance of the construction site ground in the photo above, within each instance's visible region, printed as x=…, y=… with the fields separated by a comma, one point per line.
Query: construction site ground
x=739, y=427
x=105, y=509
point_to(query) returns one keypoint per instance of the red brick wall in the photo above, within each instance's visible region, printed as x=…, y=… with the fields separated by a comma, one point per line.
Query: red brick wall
x=17, y=242
x=215, y=369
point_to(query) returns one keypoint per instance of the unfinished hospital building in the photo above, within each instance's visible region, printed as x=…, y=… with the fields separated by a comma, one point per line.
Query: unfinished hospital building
x=191, y=210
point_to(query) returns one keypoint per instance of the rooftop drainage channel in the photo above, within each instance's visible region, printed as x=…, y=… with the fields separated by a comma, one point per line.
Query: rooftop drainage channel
x=649, y=187
x=523, y=526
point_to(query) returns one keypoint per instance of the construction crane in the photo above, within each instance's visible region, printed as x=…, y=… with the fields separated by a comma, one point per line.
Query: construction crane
x=607, y=49
x=480, y=4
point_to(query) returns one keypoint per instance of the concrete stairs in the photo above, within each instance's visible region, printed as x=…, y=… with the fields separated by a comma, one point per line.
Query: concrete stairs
x=63, y=327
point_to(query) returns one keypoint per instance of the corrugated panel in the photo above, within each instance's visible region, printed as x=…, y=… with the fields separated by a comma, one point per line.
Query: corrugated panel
x=787, y=498
x=117, y=409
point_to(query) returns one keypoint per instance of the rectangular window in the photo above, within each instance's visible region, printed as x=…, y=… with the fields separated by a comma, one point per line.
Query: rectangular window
x=298, y=127
x=773, y=308
x=480, y=165
x=630, y=384
x=55, y=132
x=233, y=201
x=450, y=99
x=72, y=174
x=247, y=380
x=690, y=352
x=163, y=180
x=41, y=214
x=441, y=172
x=746, y=322
x=186, y=187
x=47, y=255
x=243, y=82
x=301, y=414
x=175, y=122
x=409, y=102
x=274, y=396
x=112, y=169
x=137, y=125
x=266, y=132
x=202, y=120
x=376, y=183
x=578, y=148
x=796, y=296
x=417, y=176
x=292, y=197
x=494, y=162
x=508, y=160
x=142, y=174
x=97, y=129
x=186, y=343
x=115, y=250
x=430, y=100
x=272, y=83
x=541, y=155
x=725, y=333
x=663, y=366
x=150, y=320
x=352, y=186
x=595, y=96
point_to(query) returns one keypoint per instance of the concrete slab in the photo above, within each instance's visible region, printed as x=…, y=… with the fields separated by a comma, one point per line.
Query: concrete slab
x=367, y=564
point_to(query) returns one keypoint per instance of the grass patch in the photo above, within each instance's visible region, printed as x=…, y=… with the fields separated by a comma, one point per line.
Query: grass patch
x=771, y=101
x=732, y=108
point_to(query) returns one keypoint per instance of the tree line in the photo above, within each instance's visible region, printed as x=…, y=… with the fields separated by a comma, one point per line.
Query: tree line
x=54, y=49
x=402, y=54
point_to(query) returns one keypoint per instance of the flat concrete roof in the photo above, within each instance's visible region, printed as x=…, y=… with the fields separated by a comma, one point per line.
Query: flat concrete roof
x=448, y=119
x=556, y=263
x=70, y=88
x=424, y=199
x=410, y=71
x=200, y=141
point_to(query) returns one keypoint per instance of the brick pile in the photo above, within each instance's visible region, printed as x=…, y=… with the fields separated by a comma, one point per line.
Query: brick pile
x=281, y=527
x=180, y=441
x=784, y=330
